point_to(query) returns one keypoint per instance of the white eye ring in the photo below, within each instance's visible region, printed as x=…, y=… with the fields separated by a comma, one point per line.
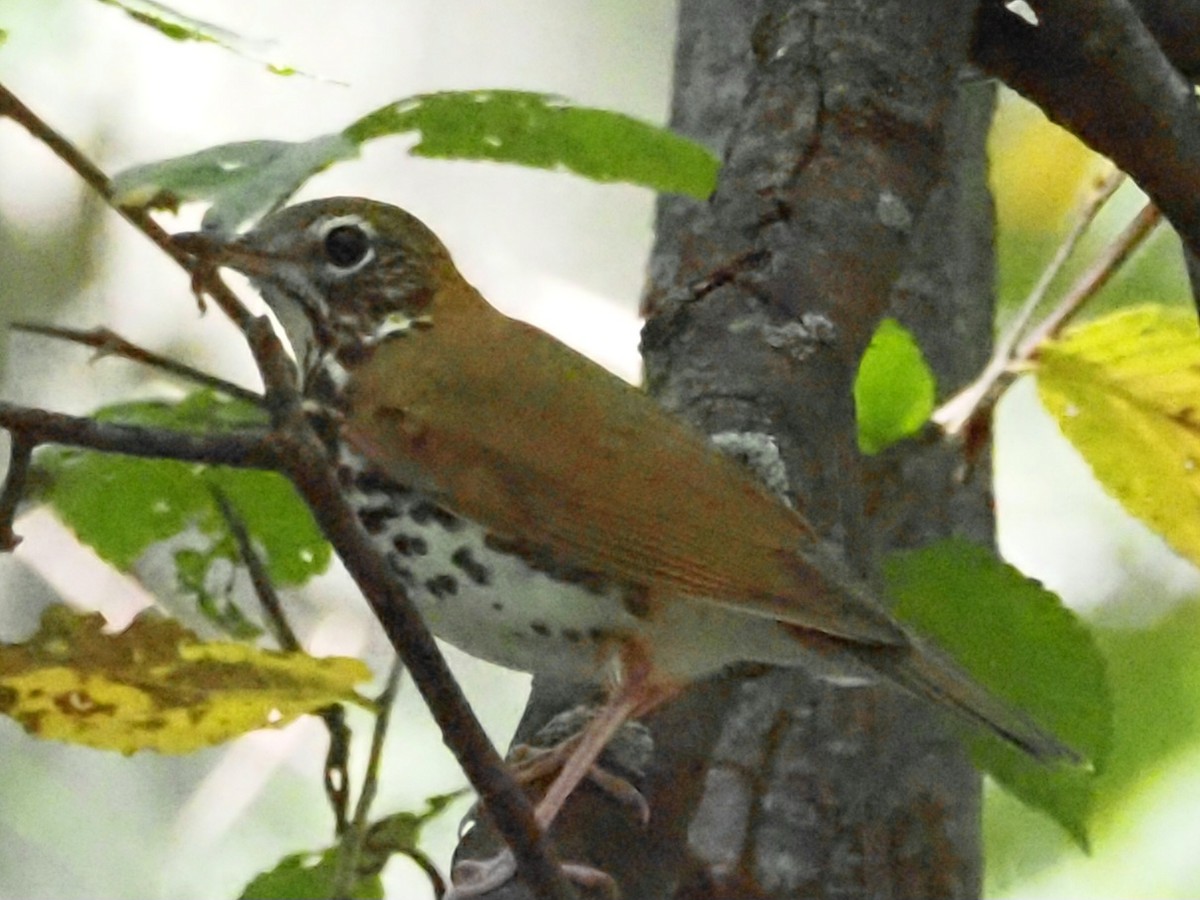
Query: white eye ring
x=348, y=243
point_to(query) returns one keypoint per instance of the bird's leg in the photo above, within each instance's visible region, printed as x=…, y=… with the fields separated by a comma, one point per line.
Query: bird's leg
x=582, y=759
x=533, y=764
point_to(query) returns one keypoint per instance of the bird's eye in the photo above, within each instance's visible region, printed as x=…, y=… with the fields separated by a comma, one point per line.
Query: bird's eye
x=346, y=246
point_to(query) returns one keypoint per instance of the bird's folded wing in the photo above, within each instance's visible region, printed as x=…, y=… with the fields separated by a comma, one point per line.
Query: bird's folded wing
x=557, y=454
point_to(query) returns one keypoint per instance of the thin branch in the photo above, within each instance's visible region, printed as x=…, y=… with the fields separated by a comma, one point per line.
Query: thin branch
x=260, y=578
x=14, y=109
x=337, y=759
x=19, y=455
x=337, y=764
x=1089, y=284
x=108, y=343
x=957, y=412
x=355, y=835
x=243, y=449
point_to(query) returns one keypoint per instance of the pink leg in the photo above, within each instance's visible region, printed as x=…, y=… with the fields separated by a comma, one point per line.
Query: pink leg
x=636, y=696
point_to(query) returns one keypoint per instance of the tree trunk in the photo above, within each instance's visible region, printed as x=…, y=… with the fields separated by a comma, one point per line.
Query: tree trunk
x=853, y=187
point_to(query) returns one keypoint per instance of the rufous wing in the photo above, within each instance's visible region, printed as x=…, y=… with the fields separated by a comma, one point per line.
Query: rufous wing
x=544, y=447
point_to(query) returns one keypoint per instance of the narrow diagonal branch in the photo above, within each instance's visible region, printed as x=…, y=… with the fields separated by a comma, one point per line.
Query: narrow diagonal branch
x=980, y=395
x=1132, y=237
x=19, y=456
x=108, y=343
x=243, y=449
x=354, y=836
x=337, y=759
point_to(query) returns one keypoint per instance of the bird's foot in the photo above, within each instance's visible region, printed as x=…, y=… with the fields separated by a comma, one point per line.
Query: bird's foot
x=625, y=757
x=477, y=878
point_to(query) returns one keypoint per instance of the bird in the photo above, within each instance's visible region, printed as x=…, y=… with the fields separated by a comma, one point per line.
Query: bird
x=547, y=516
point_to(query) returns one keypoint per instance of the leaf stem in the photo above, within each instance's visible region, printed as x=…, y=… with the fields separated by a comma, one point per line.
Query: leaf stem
x=1019, y=342
x=108, y=343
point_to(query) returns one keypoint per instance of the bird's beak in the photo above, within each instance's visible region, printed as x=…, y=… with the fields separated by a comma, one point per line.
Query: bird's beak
x=223, y=250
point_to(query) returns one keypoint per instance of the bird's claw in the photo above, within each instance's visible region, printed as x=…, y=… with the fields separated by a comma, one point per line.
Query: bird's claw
x=476, y=878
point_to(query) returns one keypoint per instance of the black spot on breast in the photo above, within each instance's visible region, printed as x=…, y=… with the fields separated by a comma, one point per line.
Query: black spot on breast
x=573, y=635
x=424, y=512
x=442, y=586
x=410, y=545
x=540, y=628
x=376, y=518
x=541, y=559
x=370, y=481
x=465, y=560
x=402, y=572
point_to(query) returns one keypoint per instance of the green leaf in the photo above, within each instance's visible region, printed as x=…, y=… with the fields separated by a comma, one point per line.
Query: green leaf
x=179, y=27
x=308, y=875
x=894, y=390
x=156, y=686
x=1125, y=390
x=311, y=875
x=546, y=132
x=1155, y=676
x=245, y=180
x=170, y=23
x=1016, y=639
x=121, y=505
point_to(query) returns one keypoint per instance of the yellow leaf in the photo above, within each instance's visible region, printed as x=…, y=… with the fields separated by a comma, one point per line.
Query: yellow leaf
x=156, y=686
x=1125, y=390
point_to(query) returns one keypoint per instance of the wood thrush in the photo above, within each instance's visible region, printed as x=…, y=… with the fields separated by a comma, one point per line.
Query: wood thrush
x=542, y=513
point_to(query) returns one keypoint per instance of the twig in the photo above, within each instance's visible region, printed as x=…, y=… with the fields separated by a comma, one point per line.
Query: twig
x=109, y=343
x=296, y=450
x=956, y=413
x=19, y=455
x=337, y=764
x=260, y=578
x=243, y=448
x=337, y=759
x=30, y=427
x=1090, y=283
x=354, y=835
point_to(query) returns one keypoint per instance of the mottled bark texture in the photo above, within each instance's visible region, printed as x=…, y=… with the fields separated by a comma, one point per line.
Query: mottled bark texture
x=853, y=187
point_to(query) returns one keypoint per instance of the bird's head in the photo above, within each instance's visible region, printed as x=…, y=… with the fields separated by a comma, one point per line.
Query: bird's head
x=341, y=274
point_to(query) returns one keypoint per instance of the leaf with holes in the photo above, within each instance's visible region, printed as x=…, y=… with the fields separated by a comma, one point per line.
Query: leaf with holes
x=122, y=505
x=245, y=180
x=1125, y=390
x=545, y=132
x=156, y=686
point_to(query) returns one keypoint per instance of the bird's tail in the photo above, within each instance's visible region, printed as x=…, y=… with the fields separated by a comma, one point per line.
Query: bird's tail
x=930, y=674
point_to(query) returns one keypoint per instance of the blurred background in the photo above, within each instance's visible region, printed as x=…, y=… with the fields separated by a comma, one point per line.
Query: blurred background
x=564, y=253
